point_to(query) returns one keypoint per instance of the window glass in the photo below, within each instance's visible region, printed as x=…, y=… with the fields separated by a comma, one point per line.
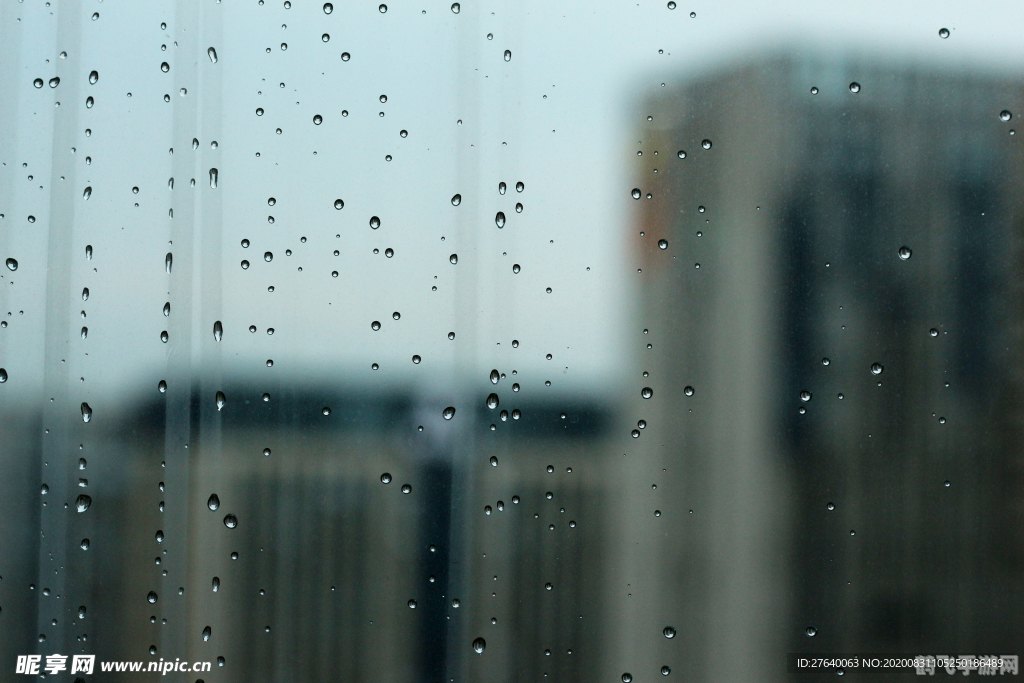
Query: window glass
x=509, y=341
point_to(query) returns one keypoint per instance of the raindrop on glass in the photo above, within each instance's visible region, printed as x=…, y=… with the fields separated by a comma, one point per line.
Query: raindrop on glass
x=230, y=521
x=479, y=645
x=448, y=413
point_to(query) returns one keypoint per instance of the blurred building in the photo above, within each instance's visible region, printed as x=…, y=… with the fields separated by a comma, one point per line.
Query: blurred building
x=831, y=252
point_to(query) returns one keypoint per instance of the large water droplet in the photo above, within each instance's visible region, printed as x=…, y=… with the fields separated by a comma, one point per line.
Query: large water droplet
x=151, y=597
x=93, y=77
x=492, y=401
x=876, y=368
x=811, y=631
x=328, y=8
x=904, y=253
x=374, y=222
x=3, y=375
x=213, y=502
x=508, y=55
x=1005, y=115
x=499, y=219
x=479, y=645
x=12, y=264
x=646, y=392
x=207, y=634
x=213, y=178
x=448, y=413
x=688, y=390
x=230, y=521
x=495, y=376
x=855, y=87
x=220, y=400
x=943, y=33
x=218, y=331
x=456, y=199
x=86, y=412
x=212, y=54
x=453, y=259
x=82, y=503
x=168, y=262
x=669, y=632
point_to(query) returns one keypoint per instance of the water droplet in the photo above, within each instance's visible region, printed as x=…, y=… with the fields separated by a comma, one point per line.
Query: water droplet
x=165, y=67
x=448, y=413
x=416, y=359
x=943, y=33
x=328, y=8
x=456, y=199
x=508, y=55
x=516, y=268
x=492, y=401
x=855, y=87
x=375, y=325
x=213, y=178
x=218, y=331
x=494, y=376
x=647, y=392
x=662, y=244
x=220, y=400
x=339, y=204
x=666, y=670
x=688, y=390
x=317, y=119
x=636, y=194
x=54, y=82
x=706, y=144
x=162, y=386
x=805, y=396
x=455, y=8
x=207, y=634
x=12, y=264
x=268, y=256
x=811, y=631
x=499, y=219
x=385, y=478
x=1005, y=115
x=904, y=253
x=382, y=8
x=230, y=521
x=168, y=262
x=93, y=77
x=814, y=90
x=406, y=489
x=3, y=375
x=86, y=412
x=627, y=677
x=212, y=54
x=933, y=332
x=213, y=502
x=479, y=645
x=876, y=368
x=151, y=597
x=830, y=507
x=453, y=259
x=669, y=632
x=82, y=503
x=38, y=82
x=374, y=222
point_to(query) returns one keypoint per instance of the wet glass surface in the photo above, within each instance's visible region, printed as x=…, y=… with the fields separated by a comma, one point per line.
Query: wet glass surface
x=508, y=342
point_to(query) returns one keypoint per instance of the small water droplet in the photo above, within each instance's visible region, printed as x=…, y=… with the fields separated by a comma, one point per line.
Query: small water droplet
x=220, y=400
x=499, y=219
x=706, y=144
x=382, y=8
x=876, y=368
x=456, y=199
x=516, y=268
x=479, y=645
x=375, y=325
x=213, y=502
x=3, y=375
x=230, y=521
x=492, y=401
x=805, y=396
x=453, y=259
x=212, y=54
x=406, y=488
x=943, y=33
x=688, y=390
x=328, y=8
x=814, y=90
x=82, y=503
x=855, y=87
x=151, y=597
x=86, y=412
x=635, y=193
x=508, y=55
x=374, y=222
x=385, y=478
x=811, y=631
x=669, y=632
x=646, y=392
x=904, y=253
x=218, y=331
x=456, y=8
x=168, y=262
x=55, y=81
x=1005, y=115
x=207, y=634
x=662, y=244
x=38, y=82
x=12, y=264
x=448, y=413
x=213, y=178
